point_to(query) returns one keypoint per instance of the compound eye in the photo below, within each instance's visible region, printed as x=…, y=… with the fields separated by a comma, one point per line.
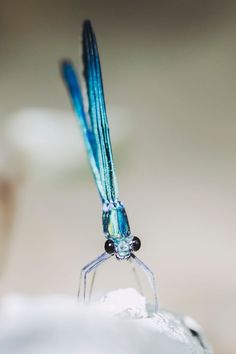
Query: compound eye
x=136, y=243
x=109, y=246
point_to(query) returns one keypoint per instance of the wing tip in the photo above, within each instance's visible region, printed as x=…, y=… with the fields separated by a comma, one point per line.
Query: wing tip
x=87, y=25
x=64, y=65
x=69, y=75
x=67, y=69
x=88, y=29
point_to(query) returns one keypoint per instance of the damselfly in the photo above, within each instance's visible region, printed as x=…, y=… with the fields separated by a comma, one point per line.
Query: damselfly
x=94, y=125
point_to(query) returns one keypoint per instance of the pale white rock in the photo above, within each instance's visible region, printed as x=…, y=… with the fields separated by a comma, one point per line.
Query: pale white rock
x=119, y=323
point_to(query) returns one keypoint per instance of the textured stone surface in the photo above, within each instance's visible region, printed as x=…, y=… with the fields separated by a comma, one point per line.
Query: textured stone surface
x=118, y=323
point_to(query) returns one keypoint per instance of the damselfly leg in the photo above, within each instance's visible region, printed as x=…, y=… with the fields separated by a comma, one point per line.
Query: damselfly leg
x=150, y=276
x=92, y=266
x=136, y=276
x=89, y=268
x=92, y=284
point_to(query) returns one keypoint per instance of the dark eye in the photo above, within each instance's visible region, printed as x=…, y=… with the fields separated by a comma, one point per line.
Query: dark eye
x=109, y=246
x=136, y=243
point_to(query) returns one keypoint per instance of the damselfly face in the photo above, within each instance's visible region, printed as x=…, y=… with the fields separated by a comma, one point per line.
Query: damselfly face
x=122, y=247
x=117, y=231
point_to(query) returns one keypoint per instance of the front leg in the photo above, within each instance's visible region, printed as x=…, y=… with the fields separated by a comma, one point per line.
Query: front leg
x=87, y=269
x=151, y=278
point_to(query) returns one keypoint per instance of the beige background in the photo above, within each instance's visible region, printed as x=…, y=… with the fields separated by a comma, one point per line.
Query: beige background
x=171, y=67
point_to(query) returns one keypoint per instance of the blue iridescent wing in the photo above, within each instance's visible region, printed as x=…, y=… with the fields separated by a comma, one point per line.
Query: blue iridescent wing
x=97, y=114
x=74, y=90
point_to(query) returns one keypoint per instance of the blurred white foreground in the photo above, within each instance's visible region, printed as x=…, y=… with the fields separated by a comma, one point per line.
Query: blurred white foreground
x=49, y=143
x=119, y=323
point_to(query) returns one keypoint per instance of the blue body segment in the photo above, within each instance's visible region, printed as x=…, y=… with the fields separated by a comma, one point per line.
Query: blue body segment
x=96, y=135
x=115, y=221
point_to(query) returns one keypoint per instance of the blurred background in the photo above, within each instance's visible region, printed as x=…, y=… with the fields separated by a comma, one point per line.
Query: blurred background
x=169, y=76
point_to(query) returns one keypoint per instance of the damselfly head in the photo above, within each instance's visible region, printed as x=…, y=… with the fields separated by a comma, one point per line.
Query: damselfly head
x=123, y=247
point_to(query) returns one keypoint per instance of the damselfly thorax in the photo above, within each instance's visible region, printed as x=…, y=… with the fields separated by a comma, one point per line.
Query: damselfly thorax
x=117, y=231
